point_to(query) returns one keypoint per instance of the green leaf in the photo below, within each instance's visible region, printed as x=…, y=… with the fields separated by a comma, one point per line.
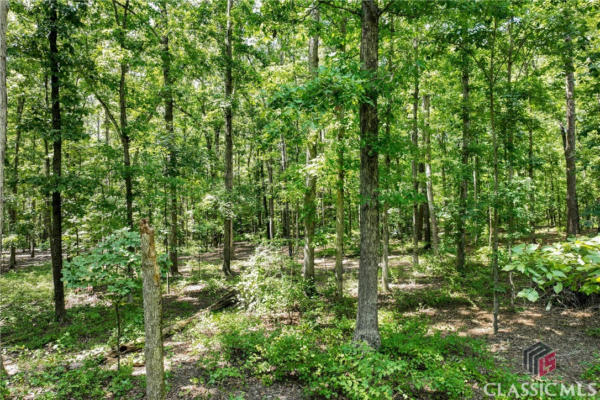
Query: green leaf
x=558, y=288
x=530, y=294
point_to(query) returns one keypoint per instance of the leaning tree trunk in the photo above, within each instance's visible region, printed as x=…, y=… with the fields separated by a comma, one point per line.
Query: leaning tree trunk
x=228, y=223
x=569, y=143
x=56, y=242
x=367, y=328
x=153, y=347
x=310, y=207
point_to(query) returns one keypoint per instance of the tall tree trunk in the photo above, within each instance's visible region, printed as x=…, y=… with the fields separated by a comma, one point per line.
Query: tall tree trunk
x=310, y=207
x=569, y=142
x=3, y=126
x=153, y=346
x=435, y=241
x=367, y=328
x=172, y=162
x=510, y=127
x=385, y=271
x=12, y=211
x=56, y=242
x=464, y=175
x=286, y=207
x=531, y=173
x=123, y=127
x=339, y=198
x=416, y=218
x=495, y=199
x=228, y=223
x=271, y=199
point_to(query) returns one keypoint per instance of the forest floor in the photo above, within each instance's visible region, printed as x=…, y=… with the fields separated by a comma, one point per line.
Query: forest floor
x=46, y=360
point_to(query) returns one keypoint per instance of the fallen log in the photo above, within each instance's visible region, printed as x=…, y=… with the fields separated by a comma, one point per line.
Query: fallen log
x=229, y=299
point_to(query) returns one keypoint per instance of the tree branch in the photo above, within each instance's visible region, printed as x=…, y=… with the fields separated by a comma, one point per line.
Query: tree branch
x=339, y=7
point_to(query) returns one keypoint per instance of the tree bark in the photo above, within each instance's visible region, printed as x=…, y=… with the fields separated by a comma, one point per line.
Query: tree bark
x=385, y=270
x=367, y=328
x=172, y=162
x=271, y=199
x=12, y=211
x=153, y=347
x=531, y=172
x=310, y=207
x=495, y=199
x=435, y=241
x=416, y=218
x=3, y=125
x=569, y=143
x=228, y=223
x=56, y=242
x=339, y=198
x=123, y=127
x=286, y=207
x=464, y=175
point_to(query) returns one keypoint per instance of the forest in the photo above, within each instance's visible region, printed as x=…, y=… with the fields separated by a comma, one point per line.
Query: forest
x=299, y=199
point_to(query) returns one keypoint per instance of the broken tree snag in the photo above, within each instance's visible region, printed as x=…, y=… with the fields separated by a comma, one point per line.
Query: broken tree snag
x=155, y=384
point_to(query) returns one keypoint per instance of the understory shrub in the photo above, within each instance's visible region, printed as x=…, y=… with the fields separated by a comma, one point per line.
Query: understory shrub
x=268, y=283
x=572, y=265
x=409, y=364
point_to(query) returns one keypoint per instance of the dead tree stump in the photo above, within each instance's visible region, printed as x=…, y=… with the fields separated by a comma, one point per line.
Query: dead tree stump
x=155, y=383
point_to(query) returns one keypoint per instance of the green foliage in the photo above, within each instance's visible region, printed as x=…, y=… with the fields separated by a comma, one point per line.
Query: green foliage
x=592, y=372
x=409, y=363
x=110, y=266
x=89, y=381
x=267, y=283
x=574, y=264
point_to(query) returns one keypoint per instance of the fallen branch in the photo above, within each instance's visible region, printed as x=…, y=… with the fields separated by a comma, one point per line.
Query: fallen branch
x=227, y=300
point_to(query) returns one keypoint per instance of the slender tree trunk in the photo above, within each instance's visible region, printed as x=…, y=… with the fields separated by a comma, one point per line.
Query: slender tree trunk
x=310, y=207
x=435, y=241
x=464, y=175
x=339, y=199
x=569, y=143
x=153, y=346
x=172, y=162
x=510, y=127
x=367, y=328
x=286, y=206
x=414, y=162
x=47, y=195
x=124, y=128
x=56, y=242
x=228, y=223
x=271, y=195
x=12, y=211
x=385, y=271
x=495, y=199
x=3, y=126
x=531, y=172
